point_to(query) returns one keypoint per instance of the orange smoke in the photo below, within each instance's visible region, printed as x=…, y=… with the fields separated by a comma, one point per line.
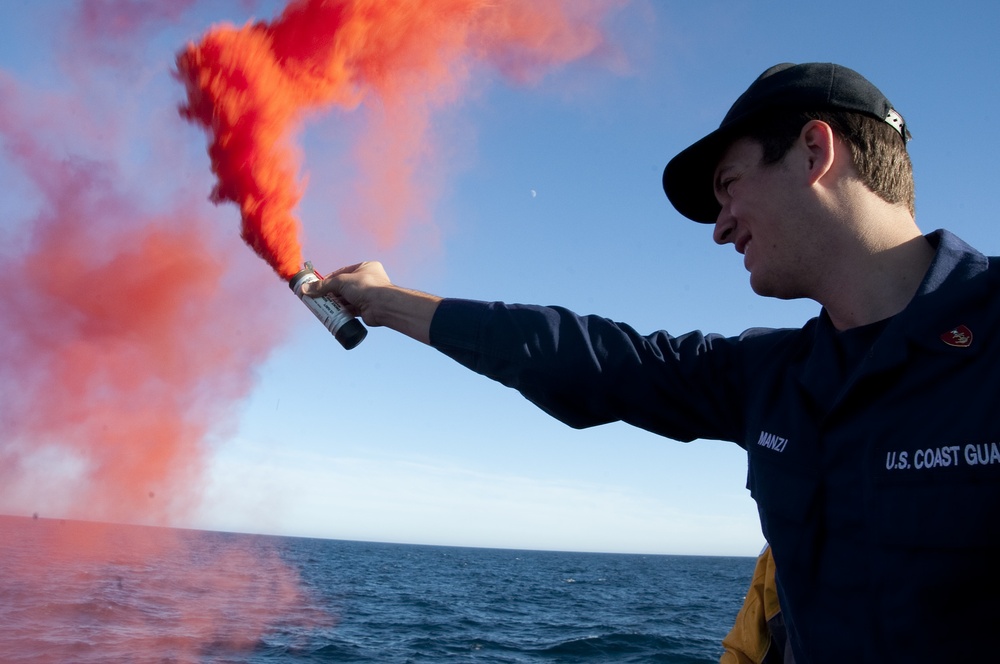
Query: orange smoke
x=124, y=355
x=113, y=370
x=127, y=342
x=250, y=88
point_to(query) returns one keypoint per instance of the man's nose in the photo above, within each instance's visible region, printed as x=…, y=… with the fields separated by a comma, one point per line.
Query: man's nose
x=725, y=224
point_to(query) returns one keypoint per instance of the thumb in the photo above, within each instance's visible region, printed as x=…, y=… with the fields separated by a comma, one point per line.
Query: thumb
x=313, y=289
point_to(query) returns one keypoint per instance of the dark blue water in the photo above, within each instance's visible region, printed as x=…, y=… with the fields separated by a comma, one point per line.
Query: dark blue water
x=72, y=592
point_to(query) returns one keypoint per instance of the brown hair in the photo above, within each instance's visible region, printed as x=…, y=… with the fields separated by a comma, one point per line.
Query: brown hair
x=877, y=150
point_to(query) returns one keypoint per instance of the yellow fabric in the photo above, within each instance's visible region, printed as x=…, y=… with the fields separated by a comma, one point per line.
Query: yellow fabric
x=749, y=639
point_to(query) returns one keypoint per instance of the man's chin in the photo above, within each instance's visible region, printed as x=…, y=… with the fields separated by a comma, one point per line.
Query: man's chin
x=767, y=288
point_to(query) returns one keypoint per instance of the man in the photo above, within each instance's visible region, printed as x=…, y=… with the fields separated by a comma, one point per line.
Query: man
x=873, y=447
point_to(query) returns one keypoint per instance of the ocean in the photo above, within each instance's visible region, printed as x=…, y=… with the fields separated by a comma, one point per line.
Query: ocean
x=75, y=592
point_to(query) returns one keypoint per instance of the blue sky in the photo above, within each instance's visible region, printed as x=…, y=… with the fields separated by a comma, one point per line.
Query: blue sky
x=550, y=194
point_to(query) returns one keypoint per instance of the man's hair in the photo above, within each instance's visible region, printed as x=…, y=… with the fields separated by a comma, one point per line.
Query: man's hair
x=877, y=150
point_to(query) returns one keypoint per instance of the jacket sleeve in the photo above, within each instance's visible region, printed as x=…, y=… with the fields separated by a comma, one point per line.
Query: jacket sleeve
x=588, y=370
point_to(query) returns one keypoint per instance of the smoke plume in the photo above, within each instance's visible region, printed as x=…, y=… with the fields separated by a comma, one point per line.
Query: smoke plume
x=127, y=343
x=252, y=86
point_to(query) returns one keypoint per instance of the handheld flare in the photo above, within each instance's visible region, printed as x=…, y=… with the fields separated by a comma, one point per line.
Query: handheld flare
x=347, y=329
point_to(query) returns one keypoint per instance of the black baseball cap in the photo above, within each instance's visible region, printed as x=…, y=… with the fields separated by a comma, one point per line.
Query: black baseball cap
x=813, y=86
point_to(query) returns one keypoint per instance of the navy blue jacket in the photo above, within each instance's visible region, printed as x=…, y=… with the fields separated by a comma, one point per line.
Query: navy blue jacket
x=878, y=486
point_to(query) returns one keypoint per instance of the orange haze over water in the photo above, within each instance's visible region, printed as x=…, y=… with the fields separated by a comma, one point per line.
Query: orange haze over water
x=119, y=364
x=125, y=355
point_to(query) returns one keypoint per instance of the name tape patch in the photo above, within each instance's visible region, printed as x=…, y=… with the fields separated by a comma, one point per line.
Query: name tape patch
x=944, y=456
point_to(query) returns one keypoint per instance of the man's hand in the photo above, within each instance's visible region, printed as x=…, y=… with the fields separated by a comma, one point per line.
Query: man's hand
x=354, y=286
x=366, y=291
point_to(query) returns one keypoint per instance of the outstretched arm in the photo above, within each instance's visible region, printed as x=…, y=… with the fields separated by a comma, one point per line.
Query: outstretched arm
x=366, y=291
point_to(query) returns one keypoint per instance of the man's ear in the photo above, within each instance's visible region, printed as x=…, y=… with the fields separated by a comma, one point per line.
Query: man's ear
x=820, y=145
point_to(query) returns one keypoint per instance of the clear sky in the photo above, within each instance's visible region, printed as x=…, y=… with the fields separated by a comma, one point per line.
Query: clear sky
x=543, y=193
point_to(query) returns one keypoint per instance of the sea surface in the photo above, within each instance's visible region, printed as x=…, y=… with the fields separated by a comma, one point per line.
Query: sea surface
x=81, y=592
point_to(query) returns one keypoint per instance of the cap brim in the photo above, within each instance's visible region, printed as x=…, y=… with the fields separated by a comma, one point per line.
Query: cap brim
x=688, y=177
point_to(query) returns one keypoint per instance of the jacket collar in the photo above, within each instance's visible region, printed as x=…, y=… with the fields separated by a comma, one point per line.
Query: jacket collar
x=944, y=311
x=947, y=299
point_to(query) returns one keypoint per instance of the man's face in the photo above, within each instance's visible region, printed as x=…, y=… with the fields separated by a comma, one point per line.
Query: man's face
x=762, y=217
